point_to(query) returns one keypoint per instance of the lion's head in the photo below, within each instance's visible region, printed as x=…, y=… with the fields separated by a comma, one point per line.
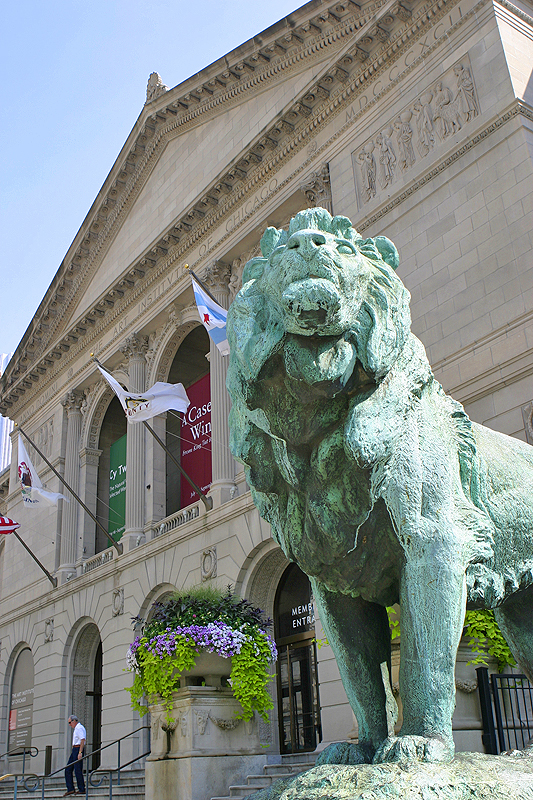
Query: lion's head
x=321, y=279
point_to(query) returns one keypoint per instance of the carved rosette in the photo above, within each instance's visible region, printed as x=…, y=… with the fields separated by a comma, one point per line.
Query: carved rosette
x=317, y=189
x=208, y=563
x=49, y=630
x=117, y=605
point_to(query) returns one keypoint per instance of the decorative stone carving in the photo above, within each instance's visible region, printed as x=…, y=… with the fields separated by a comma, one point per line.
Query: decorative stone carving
x=368, y=171
x=237, y=267
x=217, y=275
x=73, y=401
x=183, y=723
x=225, y=724
x=404, y=136
x=201, y=720
x=317, y=189
x=135, y=348
x=434, y=116
x=49, y=630
x=117, y=605
x=446, y=115
x=155, y=87
x=208, y=564
x=386, y=157
x=466, y=686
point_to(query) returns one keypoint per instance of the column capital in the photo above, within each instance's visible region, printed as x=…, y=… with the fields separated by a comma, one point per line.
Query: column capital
x=135, y=347
x=217, y=276
x=317, y=189
x=73, y=401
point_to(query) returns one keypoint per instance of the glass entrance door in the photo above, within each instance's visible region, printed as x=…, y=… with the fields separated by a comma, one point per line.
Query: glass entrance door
x=298, y=697
x=298, y=692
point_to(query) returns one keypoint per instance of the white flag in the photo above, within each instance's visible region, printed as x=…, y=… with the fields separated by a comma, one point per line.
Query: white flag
x=161, y=397
x=213, y=318
x=33, y=493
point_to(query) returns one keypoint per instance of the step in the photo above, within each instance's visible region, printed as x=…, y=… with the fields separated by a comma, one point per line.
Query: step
x=271, y=772
x=285, y=770
x=131, y=788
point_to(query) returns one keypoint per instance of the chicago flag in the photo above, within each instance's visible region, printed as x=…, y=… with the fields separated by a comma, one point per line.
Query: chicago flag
x=213, y=318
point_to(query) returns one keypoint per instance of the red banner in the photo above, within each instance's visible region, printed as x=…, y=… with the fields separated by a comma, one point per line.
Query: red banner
x=196, y=441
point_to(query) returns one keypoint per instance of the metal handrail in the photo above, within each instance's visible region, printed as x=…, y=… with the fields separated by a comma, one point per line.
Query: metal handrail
x=40, y=780
x=16, y=751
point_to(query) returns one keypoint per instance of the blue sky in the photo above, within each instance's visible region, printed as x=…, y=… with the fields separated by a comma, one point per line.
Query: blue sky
x=74, y=77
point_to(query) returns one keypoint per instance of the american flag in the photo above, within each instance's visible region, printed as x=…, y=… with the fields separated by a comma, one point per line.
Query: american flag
x=8, y=525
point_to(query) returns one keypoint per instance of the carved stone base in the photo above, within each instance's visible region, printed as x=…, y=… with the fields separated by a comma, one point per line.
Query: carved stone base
x=203, y=749
x=198, y=778
x=469, y=775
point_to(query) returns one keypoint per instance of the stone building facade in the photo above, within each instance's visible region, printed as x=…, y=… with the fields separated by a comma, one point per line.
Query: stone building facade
x=414, y=118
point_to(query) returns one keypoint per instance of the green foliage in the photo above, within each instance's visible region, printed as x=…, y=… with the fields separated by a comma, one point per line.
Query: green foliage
x=250, y=677
x=200, y=605
x=160, y=677
x=394, y=621
x=486, y=639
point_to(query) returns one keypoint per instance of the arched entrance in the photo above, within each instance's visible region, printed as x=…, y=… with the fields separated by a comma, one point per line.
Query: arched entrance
x=188, y=437
x=298, y=693
x=21, y=702
x=87, y=687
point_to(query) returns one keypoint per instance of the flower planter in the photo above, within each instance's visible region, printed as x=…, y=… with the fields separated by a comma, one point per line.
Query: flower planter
x=210, y=668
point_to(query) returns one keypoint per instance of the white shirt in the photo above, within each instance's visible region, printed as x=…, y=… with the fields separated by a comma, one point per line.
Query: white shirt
x=79, y=734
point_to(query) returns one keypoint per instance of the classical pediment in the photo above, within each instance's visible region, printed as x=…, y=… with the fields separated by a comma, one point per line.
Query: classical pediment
x=304, y=71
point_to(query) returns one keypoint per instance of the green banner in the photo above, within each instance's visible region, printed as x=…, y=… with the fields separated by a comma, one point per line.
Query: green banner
x=117, y=488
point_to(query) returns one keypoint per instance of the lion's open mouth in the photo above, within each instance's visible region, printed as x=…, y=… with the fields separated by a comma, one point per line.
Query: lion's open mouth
x=311, y=303
x=312, y=316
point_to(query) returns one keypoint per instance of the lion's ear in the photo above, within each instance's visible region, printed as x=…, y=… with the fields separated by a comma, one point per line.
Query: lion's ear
x=387, y=251
x=271, y=239
x=341, y=226
x=253, y=269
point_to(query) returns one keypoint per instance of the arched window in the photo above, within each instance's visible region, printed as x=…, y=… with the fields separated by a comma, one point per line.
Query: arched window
x=21, y=706
x=189, y=439
x=298, y=696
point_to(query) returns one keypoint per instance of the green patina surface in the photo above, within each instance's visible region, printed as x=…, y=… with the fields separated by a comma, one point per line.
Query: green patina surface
x=374, y=480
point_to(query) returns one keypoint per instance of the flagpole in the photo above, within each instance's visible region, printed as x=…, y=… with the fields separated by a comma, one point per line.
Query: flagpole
x=52, y=580
x=204, y=287
x=207, y=501
x=118, y=547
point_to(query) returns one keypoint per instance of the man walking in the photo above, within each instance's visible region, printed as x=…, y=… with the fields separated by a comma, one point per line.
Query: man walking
x=79, y=737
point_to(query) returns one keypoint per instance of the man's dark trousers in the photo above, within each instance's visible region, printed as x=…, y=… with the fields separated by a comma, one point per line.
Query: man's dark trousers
x=75, y=766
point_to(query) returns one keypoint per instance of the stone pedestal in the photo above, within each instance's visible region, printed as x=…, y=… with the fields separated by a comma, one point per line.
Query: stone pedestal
x=204, y=749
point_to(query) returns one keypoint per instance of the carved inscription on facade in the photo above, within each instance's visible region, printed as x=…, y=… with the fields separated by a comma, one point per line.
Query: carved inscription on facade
x=440, y=111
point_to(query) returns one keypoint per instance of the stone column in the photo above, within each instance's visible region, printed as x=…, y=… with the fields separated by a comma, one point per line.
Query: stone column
x=69, y=527
x=134, y=349
x=223, y=480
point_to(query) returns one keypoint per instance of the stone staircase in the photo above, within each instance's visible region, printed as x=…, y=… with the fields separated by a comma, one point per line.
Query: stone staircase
x=131, y=788
x=289, y=765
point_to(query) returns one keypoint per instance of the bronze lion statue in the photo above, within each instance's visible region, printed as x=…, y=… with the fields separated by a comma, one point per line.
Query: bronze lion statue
x=373, y=480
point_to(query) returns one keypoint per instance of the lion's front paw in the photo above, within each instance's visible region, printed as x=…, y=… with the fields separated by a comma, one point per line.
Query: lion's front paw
x=346, y=753
x=402, y=749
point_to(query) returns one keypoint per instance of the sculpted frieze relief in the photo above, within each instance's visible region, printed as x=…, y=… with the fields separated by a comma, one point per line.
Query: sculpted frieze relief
x=443, y=109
